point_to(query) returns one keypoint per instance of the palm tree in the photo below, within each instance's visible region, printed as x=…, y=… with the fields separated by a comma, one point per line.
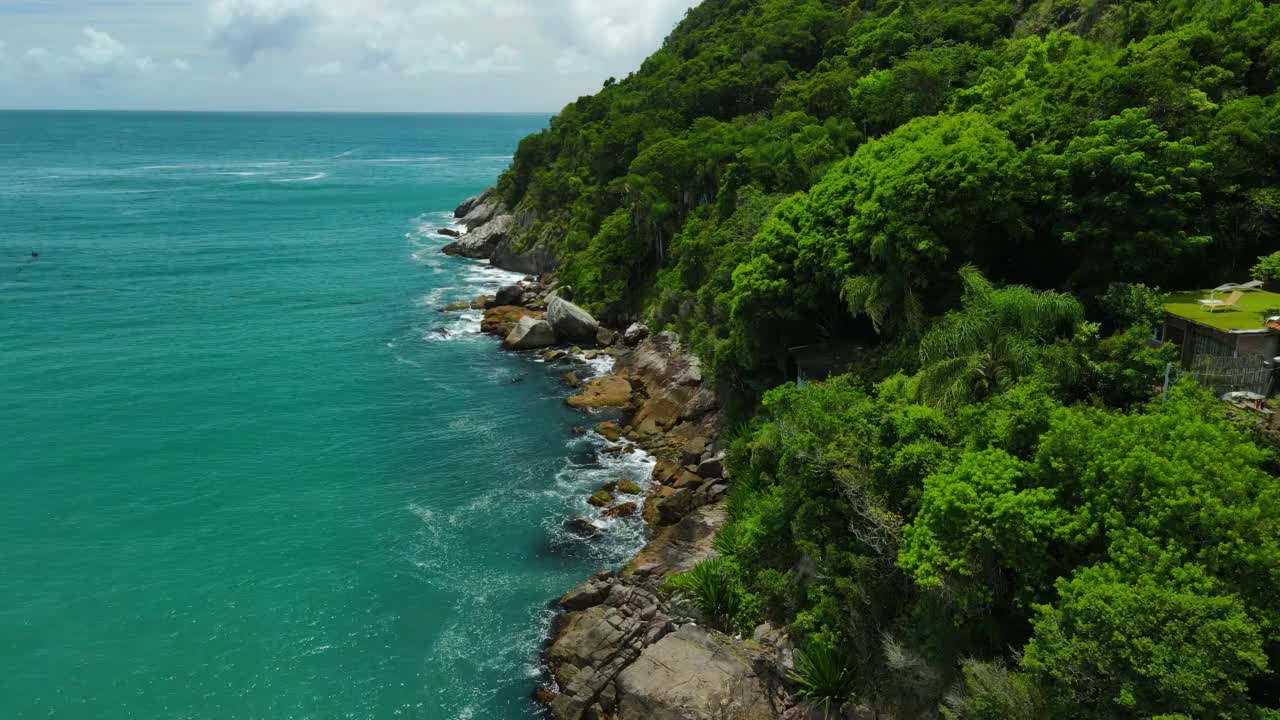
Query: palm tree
x=992, y=340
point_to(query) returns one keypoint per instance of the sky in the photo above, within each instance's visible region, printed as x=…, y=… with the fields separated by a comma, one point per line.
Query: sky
x=322, y=55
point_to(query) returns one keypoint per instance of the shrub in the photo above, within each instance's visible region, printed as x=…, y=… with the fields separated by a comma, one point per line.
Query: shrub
x=1268, y=268
x=822, y=675
x=713, y=587
x=990, y=692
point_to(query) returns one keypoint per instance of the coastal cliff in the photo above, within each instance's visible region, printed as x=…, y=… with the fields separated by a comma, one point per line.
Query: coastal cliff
x=959, y=224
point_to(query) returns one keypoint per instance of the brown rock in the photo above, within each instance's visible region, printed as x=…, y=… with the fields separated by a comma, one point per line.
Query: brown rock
x=665, y=471
x=456, y=307
x=687, y=479
x=502, y=319
x=601, y=392
x=693, y=449
x=545, y=696
x=629, y=487
x=610, y=430
x=661, y=412
x=678, y=548
x=624, y=510
x=571, y=380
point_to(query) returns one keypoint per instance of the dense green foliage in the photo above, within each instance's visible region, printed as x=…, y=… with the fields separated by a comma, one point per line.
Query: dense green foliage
x=785, y=171
x=997, y=514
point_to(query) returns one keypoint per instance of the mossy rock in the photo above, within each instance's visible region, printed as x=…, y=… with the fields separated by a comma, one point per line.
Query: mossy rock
x=629, y=487
x=600, y=498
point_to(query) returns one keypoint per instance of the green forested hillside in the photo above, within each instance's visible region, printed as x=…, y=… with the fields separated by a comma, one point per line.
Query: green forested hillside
x=994, y=514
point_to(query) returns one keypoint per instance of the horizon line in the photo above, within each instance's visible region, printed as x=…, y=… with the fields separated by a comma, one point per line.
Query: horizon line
x=287, y=112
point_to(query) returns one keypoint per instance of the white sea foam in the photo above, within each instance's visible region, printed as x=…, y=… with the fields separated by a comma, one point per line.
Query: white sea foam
x=309, y=178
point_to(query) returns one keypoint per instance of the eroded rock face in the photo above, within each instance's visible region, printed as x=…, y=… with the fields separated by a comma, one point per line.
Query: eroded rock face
x=694, y=674
x=530, y=333
x=602, y=392
x=571, y=322
x=479, y=243
x=482, y=213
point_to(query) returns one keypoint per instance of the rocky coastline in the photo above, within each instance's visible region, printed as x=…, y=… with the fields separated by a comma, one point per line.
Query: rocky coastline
x=623, y=647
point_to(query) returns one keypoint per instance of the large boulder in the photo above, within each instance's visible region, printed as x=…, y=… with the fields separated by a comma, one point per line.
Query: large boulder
x=571, y=322
x=449, y=232
x=602, y=392
x=470, y=203
x=679, y=547
x=635, y=333
x=510, y=295
x=479, y=243
x=501, y=320
x=530, y=334
x=694, y=674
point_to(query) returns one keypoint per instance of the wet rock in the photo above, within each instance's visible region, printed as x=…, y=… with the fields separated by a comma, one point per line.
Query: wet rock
x=629, y=487
x=582, y=528
x=448, y=232
x=600, y=498
x=530, y=334
x=610, y=430
x=553, y=355
x=571, y=380
x=602, y=392
x=606, y=337
x=626, y=509
x=457, y=306
x=501, y=320
x=610, y=486
x=510, y=295
x=545, y=696
x=635, y=333
x=571, y=322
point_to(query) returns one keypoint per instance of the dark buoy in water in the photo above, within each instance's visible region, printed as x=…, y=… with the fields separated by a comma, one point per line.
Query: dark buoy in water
x=34, y=254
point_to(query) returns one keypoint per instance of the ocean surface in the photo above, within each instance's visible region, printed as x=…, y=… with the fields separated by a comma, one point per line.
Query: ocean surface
x=247, y=468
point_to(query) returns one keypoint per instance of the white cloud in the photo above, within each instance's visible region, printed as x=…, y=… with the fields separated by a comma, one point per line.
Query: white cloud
x=100, y=48
x=180, y=65
x=244, y=28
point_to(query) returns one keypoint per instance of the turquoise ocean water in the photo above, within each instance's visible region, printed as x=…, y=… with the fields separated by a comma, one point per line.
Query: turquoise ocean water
x=247, y=469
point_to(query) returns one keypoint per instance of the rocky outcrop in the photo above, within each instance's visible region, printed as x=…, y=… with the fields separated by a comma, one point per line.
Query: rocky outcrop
x=602, y=392
x=482, y=213
x=695, y=674
x=571, y=322
x=527, y=248
x=449, y=232
x=472, y=202
x=479, y=243
x=679, y=547
x=530, y=333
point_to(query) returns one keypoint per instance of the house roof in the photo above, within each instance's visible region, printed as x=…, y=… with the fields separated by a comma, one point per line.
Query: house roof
x=1249, y=315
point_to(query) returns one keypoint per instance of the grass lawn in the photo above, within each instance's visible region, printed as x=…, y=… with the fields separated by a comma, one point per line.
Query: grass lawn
x=1248, y=314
